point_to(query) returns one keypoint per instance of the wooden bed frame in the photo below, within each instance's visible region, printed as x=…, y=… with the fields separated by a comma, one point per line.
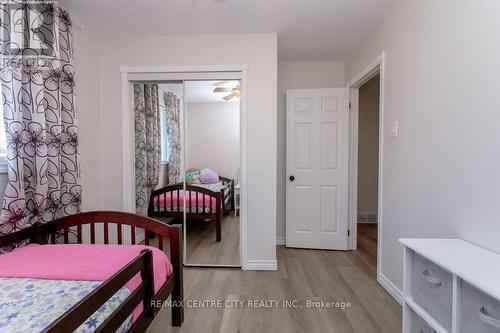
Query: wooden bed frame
x=143, y=264
x=222, y=205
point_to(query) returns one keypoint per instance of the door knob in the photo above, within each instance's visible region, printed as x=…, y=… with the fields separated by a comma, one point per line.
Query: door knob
x=292, y=178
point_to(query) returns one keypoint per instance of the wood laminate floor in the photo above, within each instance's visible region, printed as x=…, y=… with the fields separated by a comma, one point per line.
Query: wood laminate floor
x=202, y=247
x=302, y=275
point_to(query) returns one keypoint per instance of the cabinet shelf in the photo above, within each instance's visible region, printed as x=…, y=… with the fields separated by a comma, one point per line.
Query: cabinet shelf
x=451, y=285
x=433, y=323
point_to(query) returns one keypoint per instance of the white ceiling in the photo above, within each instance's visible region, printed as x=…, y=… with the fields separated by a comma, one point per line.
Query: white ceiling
x=307, y=29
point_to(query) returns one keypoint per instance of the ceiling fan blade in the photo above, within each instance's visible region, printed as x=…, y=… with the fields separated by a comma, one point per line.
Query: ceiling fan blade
x=219, y=83
x=231, y=96
x=222, y=89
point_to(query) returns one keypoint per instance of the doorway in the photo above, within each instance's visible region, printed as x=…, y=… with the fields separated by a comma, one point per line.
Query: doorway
x=368, y=169
x=370, y=221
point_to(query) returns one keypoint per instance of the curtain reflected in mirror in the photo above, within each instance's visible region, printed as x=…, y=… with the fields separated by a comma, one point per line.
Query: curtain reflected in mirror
x=212, y=158
x=147, y=143
x=159, y=184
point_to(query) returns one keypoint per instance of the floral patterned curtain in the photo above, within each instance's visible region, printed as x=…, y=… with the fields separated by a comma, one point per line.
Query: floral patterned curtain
x=37, y=82
x=147, y=143
x=172, y=106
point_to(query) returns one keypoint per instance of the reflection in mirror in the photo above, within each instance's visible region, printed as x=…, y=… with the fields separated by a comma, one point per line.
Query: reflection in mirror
x=212, y=158
x=187, y=164
x=158, y=118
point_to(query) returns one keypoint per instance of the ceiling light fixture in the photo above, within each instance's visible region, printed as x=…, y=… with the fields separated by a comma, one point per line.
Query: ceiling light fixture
x=227, y=87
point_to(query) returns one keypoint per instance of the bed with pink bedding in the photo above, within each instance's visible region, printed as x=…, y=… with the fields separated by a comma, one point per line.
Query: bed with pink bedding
x=50, y=287
x=200, y=201
x=75, y=263
x=195, y=202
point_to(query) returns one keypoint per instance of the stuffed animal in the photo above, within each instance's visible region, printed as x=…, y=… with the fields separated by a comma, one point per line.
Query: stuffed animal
x=209, y=176
x=193, y=176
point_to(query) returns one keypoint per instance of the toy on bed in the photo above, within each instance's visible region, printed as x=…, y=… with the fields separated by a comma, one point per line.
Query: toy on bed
x=193, y=176
x=209, y=176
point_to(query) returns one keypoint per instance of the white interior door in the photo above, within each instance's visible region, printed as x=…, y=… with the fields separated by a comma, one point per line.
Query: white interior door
x=317, y=168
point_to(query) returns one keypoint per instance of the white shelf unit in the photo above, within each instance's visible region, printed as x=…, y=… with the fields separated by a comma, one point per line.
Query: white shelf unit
x=450, y=286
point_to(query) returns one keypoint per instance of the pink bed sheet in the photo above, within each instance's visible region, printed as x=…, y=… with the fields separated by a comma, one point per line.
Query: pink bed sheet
x=82, y=262
x=190, y=200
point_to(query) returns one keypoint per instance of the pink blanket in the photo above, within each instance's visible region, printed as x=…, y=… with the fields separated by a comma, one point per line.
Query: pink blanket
x=82, y=262
x=190, y=200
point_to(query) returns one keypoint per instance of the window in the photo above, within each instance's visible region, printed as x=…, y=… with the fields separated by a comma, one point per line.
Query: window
x=163, y=134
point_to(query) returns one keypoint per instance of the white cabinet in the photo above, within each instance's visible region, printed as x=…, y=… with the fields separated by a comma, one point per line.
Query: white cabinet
x=479, y=313
x=432, y=289
x=450, y=286
x=417, y=324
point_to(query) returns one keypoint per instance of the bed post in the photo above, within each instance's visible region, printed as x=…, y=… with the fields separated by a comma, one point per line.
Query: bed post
x=178, y=292
x=39, y=236
x=218, y=215
x=147, y=274
x=223, y=198
x=151, y=205
x=231, y=198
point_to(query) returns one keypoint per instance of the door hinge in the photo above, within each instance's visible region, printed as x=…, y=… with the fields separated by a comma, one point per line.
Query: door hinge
x=348, y=232
x=349, y=105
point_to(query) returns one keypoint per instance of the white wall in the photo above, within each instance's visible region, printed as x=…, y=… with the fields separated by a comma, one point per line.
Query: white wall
x=88, y=108
x=441, y=174
x=259, y=51
x=298, y=75
x=213, y=137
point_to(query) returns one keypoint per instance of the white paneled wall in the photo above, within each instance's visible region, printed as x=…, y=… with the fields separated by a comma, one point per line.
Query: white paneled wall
x=368, y=151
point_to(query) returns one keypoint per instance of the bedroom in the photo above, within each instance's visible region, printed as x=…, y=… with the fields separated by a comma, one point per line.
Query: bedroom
x=437, y=175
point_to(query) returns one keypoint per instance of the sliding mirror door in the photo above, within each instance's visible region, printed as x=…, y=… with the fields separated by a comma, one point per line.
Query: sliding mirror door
x=212, y=172
x=187, y=164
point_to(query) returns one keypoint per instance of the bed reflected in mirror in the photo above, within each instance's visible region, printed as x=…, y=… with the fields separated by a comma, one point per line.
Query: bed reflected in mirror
x=212, y=164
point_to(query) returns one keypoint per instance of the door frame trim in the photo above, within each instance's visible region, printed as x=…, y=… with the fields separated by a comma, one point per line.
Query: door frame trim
x=128, y=73
x=377, y=66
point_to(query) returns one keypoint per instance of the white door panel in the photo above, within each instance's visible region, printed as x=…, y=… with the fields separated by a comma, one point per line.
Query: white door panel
x=317, y=158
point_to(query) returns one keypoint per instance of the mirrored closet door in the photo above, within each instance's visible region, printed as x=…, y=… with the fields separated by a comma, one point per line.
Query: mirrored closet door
x=212, y=167
x=187, y=164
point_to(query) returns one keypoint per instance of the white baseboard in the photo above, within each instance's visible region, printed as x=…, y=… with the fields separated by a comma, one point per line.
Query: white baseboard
x=280, y=240
x=390, y=288
x=261, y=265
